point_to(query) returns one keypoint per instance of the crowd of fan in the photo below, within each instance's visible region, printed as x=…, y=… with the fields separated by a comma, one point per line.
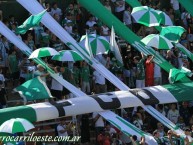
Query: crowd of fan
x=77, y=21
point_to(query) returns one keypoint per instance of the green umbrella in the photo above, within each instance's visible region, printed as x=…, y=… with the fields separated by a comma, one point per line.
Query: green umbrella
x=157, y=41
x=16, y=125
x=176, y=74
x=43, y=52
x=165, y=19
x=146, y=16
x=173, y=33
x=68, y=55
x=99, y=44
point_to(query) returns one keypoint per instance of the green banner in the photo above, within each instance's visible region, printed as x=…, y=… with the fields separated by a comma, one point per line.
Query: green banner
x=106, y=17
x=188, y=5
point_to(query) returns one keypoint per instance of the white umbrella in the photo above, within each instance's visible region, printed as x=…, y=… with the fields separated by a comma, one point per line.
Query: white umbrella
x=16, y=125
x=43, y=52
x=98, y=44
x=68, y=55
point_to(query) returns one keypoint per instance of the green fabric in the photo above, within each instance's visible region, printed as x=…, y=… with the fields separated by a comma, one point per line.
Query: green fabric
x=181, y=91
x=32, y=21
x=173, y=33
x=124, y=31
x=76, y=75
x=34, y=89
x=18, y=127
x=13, y=63
x=188, y=5
x=18, y=112
x=140, y=70
x=85, y=74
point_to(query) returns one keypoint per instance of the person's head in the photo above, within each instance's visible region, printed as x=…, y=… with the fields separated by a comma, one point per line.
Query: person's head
x=149, y=57
x=187, y=131
x=136, y=59
x=54, y=5
x=40, y=67
x=185, y=104
x=62, y=121
x=180, y=119
x=169, y=133
x=71, y=6
x=160, y=107
x=134, y=137
x=156, y=134
x=57, y=69
x=173, y=106
x=135, y=117
x=108, y=127
x=107, y=2
x=159, y=126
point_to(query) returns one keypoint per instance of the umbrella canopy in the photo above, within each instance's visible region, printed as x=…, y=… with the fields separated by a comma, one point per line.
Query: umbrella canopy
x=173, y=33
x=99, y=44
x=157, y=41
x=146, y=16
x=43, y=52
x=165, y=19
x=176, y=74
x=16, y=125
x=68, y=55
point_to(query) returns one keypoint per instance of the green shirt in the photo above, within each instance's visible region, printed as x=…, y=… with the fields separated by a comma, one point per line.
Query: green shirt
x=85, y=74
x=174, y=140
x=140, y=70
x=76, y=75
x=13, y=63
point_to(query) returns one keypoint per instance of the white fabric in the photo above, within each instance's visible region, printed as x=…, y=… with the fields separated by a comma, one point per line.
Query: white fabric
x=173, y=115
x=175, y=4
x=2, y=78
x=127, y=17
x=140, y=83
x=157, y=71
x=90, y=23
x=61, y=127
x=55, y=85
x=56, y=11
x=99, y=122
x=98, y=78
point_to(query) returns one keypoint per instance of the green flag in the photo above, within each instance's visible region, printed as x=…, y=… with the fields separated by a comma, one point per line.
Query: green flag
x=176, y=74
x=32, y=21
x=173, y=33
x=34, y=89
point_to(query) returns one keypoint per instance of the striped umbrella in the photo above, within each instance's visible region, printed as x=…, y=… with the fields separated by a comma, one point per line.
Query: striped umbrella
x=43, y=52
x=16, y=125
x=67, y=55
x=157, y=41
x=173, y=33
x=99, y=44
x=146, y=16
x=165, y=19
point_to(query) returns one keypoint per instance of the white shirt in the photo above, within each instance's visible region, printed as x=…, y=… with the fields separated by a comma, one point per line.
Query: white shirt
x=175, y=4
x=112, y=131
x=2, y=78
x=99, y=122
x=56, y=11
x=90, y=23
x=56, y=85
x=99, y=79
x=127, y=17
x=157, y=71
x=173, y=115
x=60, y=128
x=121, y=5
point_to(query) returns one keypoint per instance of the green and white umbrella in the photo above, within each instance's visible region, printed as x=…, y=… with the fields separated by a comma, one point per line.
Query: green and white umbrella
x=176, y=74
x=16, y=125
x=67, y=55
x=173, y=33
x=99, y=44
x=146, y=16
x=157, y=41
x=165, y=19
x=43, y=52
